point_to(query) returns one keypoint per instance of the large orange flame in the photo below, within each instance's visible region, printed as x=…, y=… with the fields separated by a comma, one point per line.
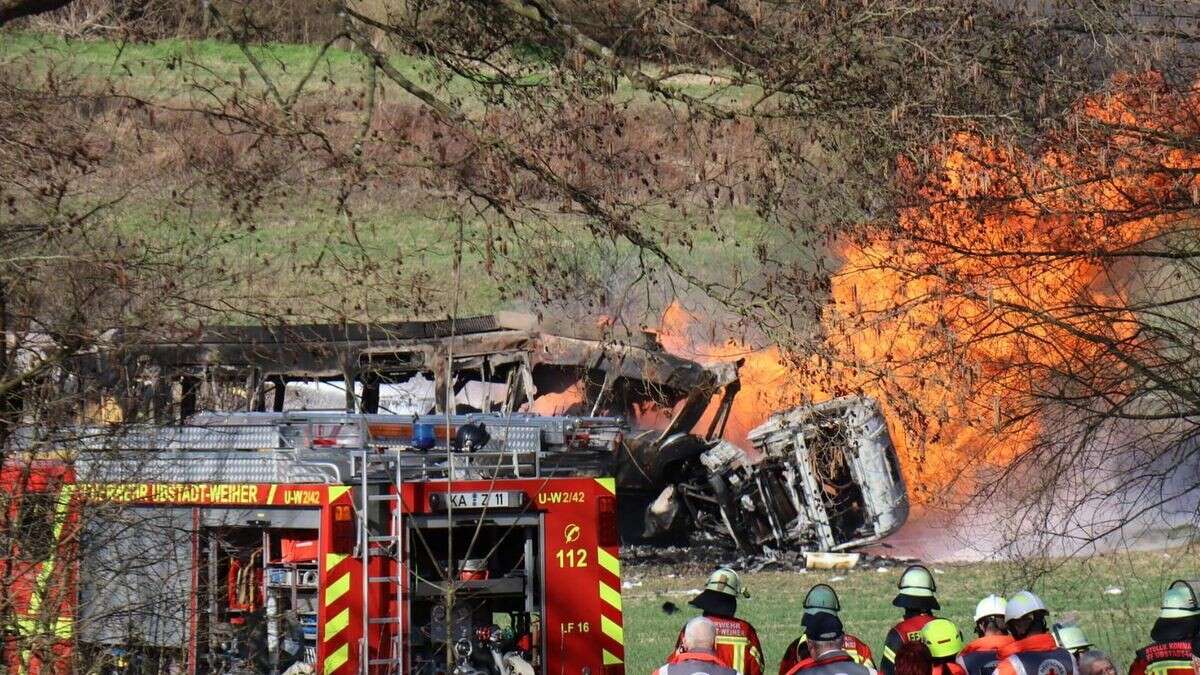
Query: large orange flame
x=1005, y=284
x=770, y=382
x=995, y=288
x=566, y=402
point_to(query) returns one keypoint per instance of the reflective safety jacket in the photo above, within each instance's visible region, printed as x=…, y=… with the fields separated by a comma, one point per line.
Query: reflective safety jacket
x=836, y=662
x=798, y=651
x=1163, y=658
x=979, y=656
x=905, y=631
x=1035, y=655
x=695, y=663
x=737, y=644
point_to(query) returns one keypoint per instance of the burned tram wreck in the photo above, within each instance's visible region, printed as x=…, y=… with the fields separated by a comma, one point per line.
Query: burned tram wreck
x=826, y=478
x=821, y=477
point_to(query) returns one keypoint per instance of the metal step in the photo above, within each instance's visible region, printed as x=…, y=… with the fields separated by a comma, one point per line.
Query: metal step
x=383, y=538
x=383, y=498
x=385, y=620
x=378, y=580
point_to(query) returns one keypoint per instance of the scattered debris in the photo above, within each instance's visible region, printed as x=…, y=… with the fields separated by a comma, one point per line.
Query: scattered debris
x=1113, y=590
x=820, y=560
x=701, y=557
x=758, y=566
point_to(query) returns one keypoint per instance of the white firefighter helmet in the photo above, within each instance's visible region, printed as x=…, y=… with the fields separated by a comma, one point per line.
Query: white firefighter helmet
x=1023, y=604
x=1179, y=602
x=992, y=605
x=917, y=582
x=1070, y=637
x=917, y=589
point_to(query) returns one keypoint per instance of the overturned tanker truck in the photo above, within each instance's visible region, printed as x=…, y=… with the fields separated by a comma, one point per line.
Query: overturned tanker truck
x=819, y=477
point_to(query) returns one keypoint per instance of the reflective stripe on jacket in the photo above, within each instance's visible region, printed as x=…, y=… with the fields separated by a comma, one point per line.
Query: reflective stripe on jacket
x=836, y=662
x=854, y=646
x=1163, y=658
x=1036, y=655
x=695, y=663
x=737, y=644
x=905, y=631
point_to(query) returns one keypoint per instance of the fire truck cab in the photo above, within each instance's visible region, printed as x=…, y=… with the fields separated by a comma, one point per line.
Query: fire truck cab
x=336, y=543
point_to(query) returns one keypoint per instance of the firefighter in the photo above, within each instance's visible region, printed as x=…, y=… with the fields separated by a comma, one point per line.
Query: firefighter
x=1033, y=650
x=917, y=599
x=945, y=642
x=1071, y=637
x=1172, y=634
x=737, y=641
x=822, y=598
x=697, y=652
x=978, y=657
x=823, y=633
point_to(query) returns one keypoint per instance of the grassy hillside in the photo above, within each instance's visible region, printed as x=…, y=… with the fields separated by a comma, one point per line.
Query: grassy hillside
x=166, y=70
x=295, y=254
x=170, y=69
x=1118, y=622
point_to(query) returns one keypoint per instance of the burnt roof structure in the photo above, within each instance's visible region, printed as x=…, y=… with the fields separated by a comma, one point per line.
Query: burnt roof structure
x=328, y=350
x=511, y=348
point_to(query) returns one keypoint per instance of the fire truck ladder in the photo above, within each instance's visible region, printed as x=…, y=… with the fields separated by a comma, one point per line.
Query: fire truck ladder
x=389, y=546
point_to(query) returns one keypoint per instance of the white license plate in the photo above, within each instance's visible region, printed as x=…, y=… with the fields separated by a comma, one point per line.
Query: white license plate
x=480, y=500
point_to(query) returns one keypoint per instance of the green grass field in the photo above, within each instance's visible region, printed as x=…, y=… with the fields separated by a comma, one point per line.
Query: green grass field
x=174, y=69
x=168, y=70
x=1118, y=623
x=297, y=254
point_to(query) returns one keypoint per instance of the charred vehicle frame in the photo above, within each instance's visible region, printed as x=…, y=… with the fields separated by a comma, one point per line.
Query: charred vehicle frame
x=819, y=477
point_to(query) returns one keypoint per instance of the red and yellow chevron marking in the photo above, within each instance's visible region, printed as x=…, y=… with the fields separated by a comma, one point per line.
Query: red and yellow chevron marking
x=612, y=641
x=336, y=601
x=338, y=606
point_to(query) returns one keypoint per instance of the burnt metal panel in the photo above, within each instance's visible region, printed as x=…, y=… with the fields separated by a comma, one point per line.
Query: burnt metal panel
x=334, y=350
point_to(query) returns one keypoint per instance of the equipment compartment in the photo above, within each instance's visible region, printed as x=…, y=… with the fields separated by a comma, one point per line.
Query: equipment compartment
x=486, y=621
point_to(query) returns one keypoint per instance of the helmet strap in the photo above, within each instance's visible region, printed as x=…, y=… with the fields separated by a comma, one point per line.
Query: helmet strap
x=990, y=625
x=1027, y=625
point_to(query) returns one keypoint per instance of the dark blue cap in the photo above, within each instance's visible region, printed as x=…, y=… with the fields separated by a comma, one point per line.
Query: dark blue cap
x=823, y=626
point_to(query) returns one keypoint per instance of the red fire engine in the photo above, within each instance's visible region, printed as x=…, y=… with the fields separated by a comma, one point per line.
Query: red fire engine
x=323, y=542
